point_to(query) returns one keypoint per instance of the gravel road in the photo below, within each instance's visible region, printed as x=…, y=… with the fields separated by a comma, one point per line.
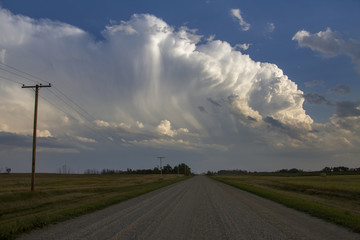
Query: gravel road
x=198, y=208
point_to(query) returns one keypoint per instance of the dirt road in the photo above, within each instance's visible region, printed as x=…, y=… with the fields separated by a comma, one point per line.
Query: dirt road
x=199, y=208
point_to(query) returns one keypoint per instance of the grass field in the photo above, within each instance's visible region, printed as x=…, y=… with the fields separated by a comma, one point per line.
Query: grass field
x=61, y=197
x=335, y=198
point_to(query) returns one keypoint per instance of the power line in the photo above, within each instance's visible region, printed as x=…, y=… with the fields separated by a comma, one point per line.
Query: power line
x=67, y=113
x=11, y=80
x=60, y=95
x=82, y=109
x=37, y=79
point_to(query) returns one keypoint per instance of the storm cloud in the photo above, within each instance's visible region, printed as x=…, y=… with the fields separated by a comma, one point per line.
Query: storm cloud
x=148, y=84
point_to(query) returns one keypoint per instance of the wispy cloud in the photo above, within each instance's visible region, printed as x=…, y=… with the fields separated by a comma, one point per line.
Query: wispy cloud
x=236, y=13
x=314, y=83
x=340, y=90
x=243, y=46
x=315, y=98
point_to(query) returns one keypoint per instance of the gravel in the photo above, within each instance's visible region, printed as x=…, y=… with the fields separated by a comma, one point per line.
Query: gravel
x=198, y=208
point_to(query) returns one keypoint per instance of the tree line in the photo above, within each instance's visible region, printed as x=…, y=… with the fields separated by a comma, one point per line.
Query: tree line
x=329, y=170
x=167, y=169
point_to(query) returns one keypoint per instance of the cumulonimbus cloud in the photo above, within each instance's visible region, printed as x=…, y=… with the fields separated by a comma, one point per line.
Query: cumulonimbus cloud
x=147, y=82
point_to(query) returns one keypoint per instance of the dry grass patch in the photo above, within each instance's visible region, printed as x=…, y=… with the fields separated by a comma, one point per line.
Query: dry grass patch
x=61, y=197
x=334, y=198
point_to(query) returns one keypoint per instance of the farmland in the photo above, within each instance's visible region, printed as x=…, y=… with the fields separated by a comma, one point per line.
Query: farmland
x=61, y=197
x=335, y=198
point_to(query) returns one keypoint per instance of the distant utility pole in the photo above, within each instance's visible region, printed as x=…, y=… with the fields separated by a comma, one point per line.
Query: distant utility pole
x=160, y=164
x=35, y=125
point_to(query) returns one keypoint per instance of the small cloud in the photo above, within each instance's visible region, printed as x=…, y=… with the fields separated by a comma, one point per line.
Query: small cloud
x=236, y=13
x=202, y=109
x=324, y=42
x=347, y=109
x=123, y=27
x=244, y=46
x=84, y=139
x=270, y=27
x=314, y=83
x=211, y=38
x=314, y=98
x=43, y=133
x=340, y=90
x=139, y=124
x=329, y=44
x=164, y=128
x=122, y=125
x=215, y=103
x=274, y=123
x=251, y=119
x=101, y=123
x=183, y=130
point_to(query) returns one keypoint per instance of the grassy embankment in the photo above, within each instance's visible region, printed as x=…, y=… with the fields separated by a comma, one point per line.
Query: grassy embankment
x=333, y=198
x=61, y=197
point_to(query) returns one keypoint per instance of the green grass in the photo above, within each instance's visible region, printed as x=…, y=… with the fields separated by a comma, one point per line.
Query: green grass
x=332, y=198
x=61, y=197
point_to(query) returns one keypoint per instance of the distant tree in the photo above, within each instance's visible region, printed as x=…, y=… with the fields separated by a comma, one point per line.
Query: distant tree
x=167, y=169
x=295, y=170
x=91, y=171
x=184, y=169
x=8, y=170
x=326, y=169
x=176, y=170
x=156, y=170
x=340, y=169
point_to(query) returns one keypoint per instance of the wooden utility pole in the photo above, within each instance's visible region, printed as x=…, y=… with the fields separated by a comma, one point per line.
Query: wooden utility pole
x=34, y=132
x=160, y=164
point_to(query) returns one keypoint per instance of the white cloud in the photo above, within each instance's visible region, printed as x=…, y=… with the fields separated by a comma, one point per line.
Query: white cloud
x=17, y=29
x=43, y=133
x=211, y=38
x=330, y=44
x=270, y=27
x=123, y=27
x=101, y=123
x=164, y=128
x=139, y=124
x=243, y=46
x=324, y=42
x=147, y=84
x=236, y=13
x=85, y=139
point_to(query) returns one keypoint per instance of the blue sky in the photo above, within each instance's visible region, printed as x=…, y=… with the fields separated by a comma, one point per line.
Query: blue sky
x=253, y=85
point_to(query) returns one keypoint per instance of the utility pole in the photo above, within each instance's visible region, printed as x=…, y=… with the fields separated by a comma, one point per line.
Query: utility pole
x=160, y=164
x=34, y=132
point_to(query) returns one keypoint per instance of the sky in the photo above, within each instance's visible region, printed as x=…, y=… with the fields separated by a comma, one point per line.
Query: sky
x=252, y=85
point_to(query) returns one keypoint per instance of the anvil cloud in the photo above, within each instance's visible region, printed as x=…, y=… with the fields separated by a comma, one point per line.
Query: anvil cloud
x=147, y=84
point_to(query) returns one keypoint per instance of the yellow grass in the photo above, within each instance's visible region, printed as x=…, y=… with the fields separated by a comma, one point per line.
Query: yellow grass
x=334, y=197
x=60, y=197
